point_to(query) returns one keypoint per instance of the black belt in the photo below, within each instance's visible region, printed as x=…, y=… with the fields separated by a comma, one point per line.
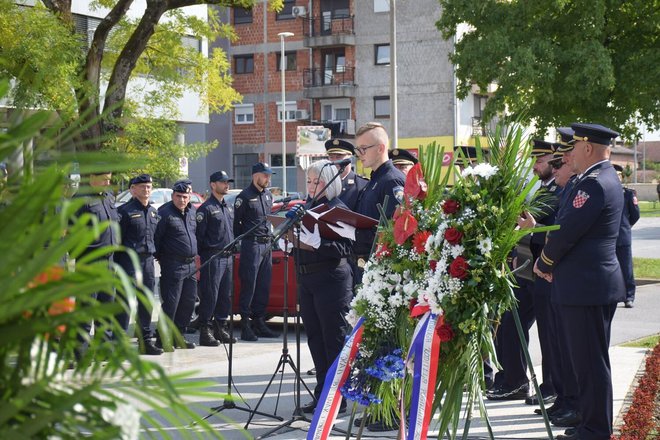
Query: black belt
x=182, y=259
x=262, y=239
x=317, y=267
x=144, y=255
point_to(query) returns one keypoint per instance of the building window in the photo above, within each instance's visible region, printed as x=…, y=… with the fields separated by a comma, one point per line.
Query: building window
x=381, y=106
x=291, y=172
x=287, y=11
x=479, y=105
x=243, y=168
x=244, y=113
x=242, y=15
x=291, y=107
x=289, y=59
x=381, y=5
x=244, y=63
x=382, y=52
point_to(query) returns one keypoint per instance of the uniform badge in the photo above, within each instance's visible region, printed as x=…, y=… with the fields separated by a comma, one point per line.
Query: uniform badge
x=398, y=193
x=199, y=217
x=351, y=181
x=237, y=203
x=580, y=199
x=153, y=213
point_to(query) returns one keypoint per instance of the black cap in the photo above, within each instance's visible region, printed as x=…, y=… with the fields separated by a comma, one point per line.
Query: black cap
x=339, y=146
x=541, y=148
x=142, y=178
x=400, y=156
x=182, y=186
x=595, y=133
x=566, y=140
x=220, y=176
x=262, y=167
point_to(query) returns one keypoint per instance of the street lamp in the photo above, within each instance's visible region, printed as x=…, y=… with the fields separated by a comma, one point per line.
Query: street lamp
x=282, y=36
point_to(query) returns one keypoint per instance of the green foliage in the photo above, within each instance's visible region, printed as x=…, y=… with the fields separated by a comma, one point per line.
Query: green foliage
x=558, y=61
x=110, y=392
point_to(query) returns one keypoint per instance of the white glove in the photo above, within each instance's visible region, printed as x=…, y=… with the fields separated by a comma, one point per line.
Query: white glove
x=312, y=239
x=343, y=229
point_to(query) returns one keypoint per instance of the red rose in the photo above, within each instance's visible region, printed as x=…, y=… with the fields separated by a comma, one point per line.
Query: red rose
x=450, y=206
x=445, y=333
x=453, y=236
x=433, y=264
x=419, y=241
x=459, y=268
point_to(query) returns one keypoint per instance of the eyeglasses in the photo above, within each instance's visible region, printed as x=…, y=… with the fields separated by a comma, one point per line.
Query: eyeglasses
x=556, y=165
x=363, y=150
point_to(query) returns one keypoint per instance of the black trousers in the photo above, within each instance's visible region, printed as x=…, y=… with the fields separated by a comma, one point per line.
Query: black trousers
x=589, y=329
x=255, y=270
x=624, y=255
x=567, y=387
x=149, y=280
x=178, y=291
x=215, y=288
x=545, y=324
x=325, y=297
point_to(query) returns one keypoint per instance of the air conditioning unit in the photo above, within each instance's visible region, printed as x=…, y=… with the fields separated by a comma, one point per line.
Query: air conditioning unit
x=298, y=11
x=302, y=114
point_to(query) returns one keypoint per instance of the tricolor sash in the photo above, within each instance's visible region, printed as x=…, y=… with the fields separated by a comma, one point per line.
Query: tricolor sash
x=330, y=400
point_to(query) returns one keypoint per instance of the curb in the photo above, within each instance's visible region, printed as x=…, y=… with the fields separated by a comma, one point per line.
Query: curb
x=627, y=401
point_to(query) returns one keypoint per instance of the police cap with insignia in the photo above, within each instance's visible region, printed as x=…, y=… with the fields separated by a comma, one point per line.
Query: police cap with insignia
x=557, y=154
x=566, y=140
x=262, y=167
x=541, y=148
x=593, y=133
x=220, y=176
x=142, y=178
x=400, y=156
x=339, y=146
x=182, y=186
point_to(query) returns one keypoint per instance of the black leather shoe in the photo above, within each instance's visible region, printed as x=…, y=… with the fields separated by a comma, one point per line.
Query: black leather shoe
x=247, y=334
x=573, y=436
x=311, y=372
x=503, y=393
x=261, y=329
x=551, y=411
x=381, y=426
x=150, y=349
x=566, y=419
x=358, y=422
x=185, y=344
x=534, y=400
x=221, y=332
x=206, y=337
x=309, y=408
x=159, y=344
x=628, y=304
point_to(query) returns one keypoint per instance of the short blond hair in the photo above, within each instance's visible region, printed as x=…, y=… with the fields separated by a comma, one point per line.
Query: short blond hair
x=377, y=131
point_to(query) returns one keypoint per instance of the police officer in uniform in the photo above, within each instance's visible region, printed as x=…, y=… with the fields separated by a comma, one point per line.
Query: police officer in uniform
x=325, y=280
x=176, y=247
x=138, y=220
x=351, y=183
x=215, y=224
x=372, y=150
x=580, y=261
x=624, y=242
x=100, y=204
x=251, y=208
x=403, y=160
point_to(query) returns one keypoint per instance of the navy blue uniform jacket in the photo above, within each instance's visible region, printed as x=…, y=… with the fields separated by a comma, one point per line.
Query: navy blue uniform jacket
x=581, y=255
x=215, y=225
x=175, y=234
x=351, y=185
x=628, y=218
x=103, y=208
x=138, y=226
x=250, y=208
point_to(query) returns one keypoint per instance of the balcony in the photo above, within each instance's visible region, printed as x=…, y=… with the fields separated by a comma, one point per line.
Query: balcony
x=342, y=128
x=321, y=32
x=321, y=83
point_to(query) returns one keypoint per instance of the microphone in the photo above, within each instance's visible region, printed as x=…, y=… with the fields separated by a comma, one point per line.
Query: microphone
x=285, y=200
x=341, y=163
x=294, y=215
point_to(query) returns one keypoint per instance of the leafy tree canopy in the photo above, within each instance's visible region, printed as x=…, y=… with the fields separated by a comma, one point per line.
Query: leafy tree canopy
x=560, y=61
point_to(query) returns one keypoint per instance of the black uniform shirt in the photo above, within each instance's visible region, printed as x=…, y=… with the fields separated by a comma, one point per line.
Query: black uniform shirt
x=329, y=250
x=175, y=233
x=215, y=223
x=351, y=185
x=138, y=226
x=251, y=208
x=103, y=208
x=386, y=180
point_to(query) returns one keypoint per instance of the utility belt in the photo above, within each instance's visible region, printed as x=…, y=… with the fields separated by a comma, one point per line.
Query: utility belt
x=263, y=239
x=305, y=269
x=360, y=260
x=181, y=259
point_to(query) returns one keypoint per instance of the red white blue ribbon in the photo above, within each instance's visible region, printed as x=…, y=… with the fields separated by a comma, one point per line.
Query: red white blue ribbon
x=423, y=357
x=330, y=400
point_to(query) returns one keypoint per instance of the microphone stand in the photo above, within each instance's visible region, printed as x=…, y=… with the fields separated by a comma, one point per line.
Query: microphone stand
x=229, y=402
x=285, y=358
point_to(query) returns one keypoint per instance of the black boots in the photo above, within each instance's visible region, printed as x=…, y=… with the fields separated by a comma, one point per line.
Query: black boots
x=221, y=332
x=261, y=329
x=247, y=334
x=206, y=336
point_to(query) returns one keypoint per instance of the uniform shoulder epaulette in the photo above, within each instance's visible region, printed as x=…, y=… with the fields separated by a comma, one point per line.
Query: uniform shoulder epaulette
x=593, y=174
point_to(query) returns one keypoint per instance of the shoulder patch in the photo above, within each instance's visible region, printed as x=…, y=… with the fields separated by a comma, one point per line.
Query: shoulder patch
x=398, y=193
x=580, y=199
x=200, y=217
x=238, y=202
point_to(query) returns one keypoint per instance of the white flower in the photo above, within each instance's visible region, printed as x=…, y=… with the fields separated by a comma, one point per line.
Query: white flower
x=485, y=246
x=485, y=170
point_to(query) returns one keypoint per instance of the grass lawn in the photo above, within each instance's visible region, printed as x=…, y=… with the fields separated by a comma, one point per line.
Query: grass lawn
x=649, y=209
x=646, y=342
x=647, y=268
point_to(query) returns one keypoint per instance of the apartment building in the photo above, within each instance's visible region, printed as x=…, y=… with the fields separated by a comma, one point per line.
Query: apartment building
x=338, y=76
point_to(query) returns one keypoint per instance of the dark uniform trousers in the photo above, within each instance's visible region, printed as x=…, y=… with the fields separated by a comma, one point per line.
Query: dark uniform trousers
x=624, y=255
x=589, y=328
x=567, y=387
x=149, y=281
x=215, y=287
x=325, y=298
x=545, y=323
x=103, y=298
x=507, y=342
x=178, y=290
x=255, y=270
